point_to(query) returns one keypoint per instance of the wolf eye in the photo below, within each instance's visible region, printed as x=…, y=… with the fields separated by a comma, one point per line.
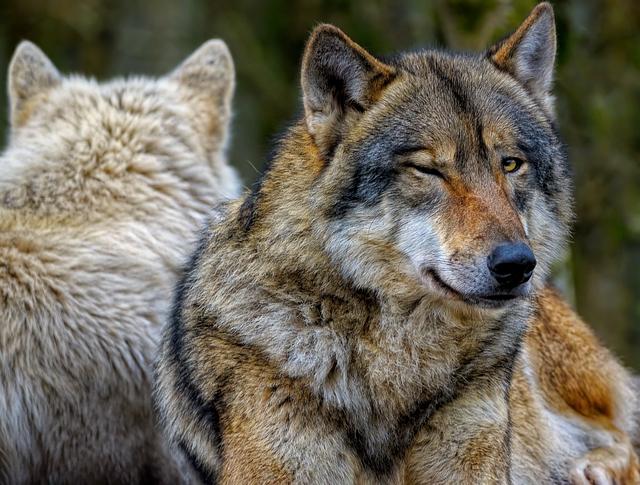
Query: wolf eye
x=425, y=170
x=511, y=164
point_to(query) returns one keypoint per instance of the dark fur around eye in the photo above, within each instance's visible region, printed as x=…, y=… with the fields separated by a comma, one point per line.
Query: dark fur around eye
x=408, y=150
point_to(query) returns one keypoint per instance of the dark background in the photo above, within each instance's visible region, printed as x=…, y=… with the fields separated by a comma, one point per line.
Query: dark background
x=598, y=95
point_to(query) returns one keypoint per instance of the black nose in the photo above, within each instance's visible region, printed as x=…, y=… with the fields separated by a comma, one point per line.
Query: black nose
x=511, y=264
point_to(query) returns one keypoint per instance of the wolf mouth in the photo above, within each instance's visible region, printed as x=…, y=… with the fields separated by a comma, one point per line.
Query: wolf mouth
x=494, y=300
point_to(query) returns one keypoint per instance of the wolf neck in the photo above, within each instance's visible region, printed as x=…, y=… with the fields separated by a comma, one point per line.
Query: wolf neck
x=373, y=358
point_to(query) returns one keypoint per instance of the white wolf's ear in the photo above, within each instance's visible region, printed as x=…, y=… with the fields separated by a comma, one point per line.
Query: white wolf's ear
x=339, y=79
x=529, y=53
x=209, y=72
x=30, y=73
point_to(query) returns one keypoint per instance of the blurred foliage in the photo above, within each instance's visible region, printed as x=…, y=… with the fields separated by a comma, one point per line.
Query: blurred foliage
x=598, y=93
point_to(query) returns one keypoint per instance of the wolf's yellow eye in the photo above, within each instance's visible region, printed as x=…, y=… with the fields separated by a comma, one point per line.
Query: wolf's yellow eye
x=511, y=165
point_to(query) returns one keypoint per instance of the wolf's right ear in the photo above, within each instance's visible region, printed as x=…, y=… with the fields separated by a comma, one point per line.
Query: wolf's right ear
x=210, y=74
x=30, y=73
x=339, y=79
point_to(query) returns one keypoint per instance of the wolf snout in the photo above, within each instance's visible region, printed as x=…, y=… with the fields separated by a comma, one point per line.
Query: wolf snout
x=511, y=264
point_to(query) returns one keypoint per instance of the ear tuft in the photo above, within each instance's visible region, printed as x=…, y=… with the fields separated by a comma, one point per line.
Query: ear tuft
x=30, y=73
x=529, y=53
x=338, y=78
x=209, y=71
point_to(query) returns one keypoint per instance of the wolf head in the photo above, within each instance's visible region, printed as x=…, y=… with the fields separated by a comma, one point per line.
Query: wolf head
x=434, y=172
x=79, y=145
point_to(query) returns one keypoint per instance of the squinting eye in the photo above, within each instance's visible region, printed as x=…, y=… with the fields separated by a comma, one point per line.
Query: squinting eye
x=425, y=170
x=511, y=164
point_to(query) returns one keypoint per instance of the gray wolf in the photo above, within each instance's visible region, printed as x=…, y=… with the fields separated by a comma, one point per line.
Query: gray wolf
x=103, y=187
x=376, y=309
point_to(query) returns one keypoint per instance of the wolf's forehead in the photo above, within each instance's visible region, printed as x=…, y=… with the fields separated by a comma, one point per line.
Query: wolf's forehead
x=448, y=72
x=459, y=99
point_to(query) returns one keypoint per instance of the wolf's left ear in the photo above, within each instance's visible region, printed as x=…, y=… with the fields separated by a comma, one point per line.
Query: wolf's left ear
x=209, y=72
x=529, y=53
x=30, y=73
x=339, y=80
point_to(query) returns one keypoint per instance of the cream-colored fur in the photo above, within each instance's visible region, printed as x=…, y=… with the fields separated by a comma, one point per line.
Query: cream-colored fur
x=102, y=190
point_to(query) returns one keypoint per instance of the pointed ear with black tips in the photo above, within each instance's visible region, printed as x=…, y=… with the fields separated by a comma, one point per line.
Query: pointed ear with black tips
x=529, y=53
x=30, y=73
x=340, y=80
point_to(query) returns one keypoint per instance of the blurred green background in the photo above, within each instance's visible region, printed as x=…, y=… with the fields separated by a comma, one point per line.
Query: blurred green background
x=598, y=95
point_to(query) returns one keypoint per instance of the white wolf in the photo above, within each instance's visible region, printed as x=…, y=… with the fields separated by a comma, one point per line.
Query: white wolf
x=102, y=190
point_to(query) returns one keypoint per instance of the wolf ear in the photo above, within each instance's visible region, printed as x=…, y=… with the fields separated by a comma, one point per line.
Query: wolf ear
x=529, y=53
x=30, y=73
x=210, y=72
x=209, y=78
x=339, y=79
